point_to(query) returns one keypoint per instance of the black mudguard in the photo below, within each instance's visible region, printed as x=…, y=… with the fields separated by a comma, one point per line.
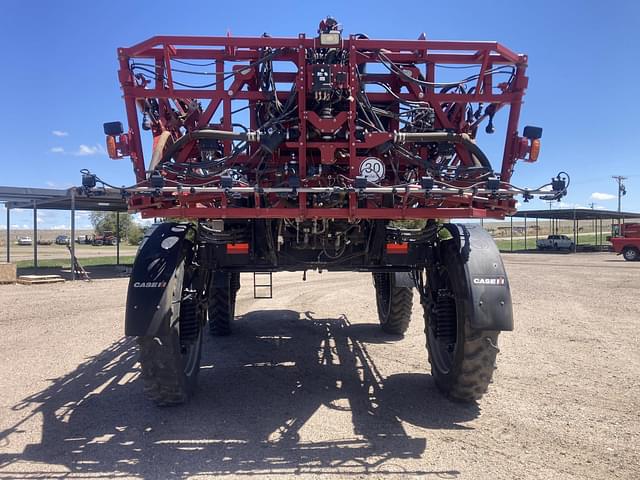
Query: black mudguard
x=484, y=277
x=153, y=280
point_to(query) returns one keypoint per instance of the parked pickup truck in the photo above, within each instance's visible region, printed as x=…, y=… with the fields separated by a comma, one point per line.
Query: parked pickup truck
x=25, y=241
x=555, y=242
x=626, y=241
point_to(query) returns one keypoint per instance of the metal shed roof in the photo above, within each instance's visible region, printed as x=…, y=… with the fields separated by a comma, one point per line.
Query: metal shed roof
x=575, y=213
x=58, y=199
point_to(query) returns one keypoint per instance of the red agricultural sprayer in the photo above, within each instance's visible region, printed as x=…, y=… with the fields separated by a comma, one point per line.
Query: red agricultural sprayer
x=311, y=153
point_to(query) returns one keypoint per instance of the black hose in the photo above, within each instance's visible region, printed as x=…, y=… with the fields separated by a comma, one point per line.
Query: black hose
x=442, y=137
x=204, y=134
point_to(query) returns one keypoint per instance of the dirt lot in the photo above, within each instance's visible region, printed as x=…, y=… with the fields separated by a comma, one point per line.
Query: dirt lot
x=308, y=385
x=45, y=252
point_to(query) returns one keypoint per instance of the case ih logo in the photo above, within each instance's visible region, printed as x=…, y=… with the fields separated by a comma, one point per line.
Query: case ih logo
x=489, y=281
x=149, y=284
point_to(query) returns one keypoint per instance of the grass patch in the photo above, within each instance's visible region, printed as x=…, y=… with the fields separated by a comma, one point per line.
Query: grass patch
x=504, y=244
x=85, y=262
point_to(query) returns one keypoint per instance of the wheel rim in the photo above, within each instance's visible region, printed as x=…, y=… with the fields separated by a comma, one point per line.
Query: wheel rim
x=190, y=355
x=443, y=325
x=630, y=254
x=189, y=351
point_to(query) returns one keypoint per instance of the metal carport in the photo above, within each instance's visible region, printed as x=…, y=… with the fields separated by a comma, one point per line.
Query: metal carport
x=575, y=215
x=56, y=199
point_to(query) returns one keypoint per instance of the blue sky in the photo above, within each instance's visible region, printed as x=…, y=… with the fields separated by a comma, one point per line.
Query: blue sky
x=59, y=78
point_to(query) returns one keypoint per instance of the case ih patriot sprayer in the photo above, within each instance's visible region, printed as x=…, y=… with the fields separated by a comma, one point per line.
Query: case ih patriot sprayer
x=307, y=153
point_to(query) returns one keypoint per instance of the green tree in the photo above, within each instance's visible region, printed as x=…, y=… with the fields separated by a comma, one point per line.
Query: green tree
x=135, y=234
x=104, y=222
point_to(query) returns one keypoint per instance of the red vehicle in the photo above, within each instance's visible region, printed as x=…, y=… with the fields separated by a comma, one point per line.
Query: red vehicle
x=627, y=241
x=303, y=153
x=107, y=238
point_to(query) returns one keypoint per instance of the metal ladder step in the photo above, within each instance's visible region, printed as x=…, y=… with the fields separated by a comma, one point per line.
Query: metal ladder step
x=265, y=277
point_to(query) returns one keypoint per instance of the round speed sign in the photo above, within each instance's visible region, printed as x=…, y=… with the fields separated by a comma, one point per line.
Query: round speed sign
x=372, y=169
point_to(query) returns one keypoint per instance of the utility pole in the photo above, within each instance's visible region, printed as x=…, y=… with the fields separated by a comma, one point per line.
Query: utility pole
x=621, y=189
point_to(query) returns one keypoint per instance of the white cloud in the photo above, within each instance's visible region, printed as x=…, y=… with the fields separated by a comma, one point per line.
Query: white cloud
x=566, y=205
x=84, y=150
x=602, y=196
x=40, y=219
x=60, y=133
x=60, y=227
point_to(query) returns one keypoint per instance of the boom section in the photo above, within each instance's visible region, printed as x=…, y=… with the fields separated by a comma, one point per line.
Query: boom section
x=323, y=127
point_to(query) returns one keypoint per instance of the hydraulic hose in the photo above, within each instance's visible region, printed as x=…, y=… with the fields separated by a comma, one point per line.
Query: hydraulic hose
x=441, y=137
x=206, y=134
x=158, y=149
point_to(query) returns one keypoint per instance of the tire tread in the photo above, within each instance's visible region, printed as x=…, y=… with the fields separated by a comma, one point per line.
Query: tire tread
x=164, y=381
x=401, y=305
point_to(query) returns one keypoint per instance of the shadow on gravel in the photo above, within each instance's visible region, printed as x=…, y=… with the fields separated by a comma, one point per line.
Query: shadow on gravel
x=96, y=272
x=259, y=390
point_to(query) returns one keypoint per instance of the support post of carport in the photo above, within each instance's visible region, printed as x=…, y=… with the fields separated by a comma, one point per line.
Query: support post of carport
x=537, y=231
x=511, y=229
x=575, y=232
x=117, y=238
x=8, y=233
x=73, y=233
x=525, y=231
x=35, y=234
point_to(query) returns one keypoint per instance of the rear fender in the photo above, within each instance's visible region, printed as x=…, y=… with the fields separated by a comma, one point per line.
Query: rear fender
x=484, y=277
x=155, y=278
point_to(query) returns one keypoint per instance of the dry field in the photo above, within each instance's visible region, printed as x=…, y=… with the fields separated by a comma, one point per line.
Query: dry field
x=308, y=385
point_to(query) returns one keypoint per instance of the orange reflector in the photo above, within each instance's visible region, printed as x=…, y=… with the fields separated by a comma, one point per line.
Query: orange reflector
x=238, y=248
x=534, y=150
x=397, y=248
x=111, y=147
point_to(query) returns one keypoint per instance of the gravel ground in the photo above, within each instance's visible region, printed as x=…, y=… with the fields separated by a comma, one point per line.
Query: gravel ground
x=308, y=385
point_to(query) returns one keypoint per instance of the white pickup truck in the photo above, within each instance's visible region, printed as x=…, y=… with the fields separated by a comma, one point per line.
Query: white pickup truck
x=555, y=242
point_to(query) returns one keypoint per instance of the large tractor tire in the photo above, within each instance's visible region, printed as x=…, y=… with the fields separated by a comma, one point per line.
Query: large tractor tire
x=170, y=363
x=462, y=356
x=222, y=302
x=394, y=303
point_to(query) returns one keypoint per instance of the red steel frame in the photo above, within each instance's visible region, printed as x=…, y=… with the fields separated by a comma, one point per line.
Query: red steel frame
x=224, y=52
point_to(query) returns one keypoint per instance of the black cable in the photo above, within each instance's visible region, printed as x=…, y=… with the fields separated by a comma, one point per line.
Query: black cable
x=143, y=67
x=192, y=64
x=395, y=68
